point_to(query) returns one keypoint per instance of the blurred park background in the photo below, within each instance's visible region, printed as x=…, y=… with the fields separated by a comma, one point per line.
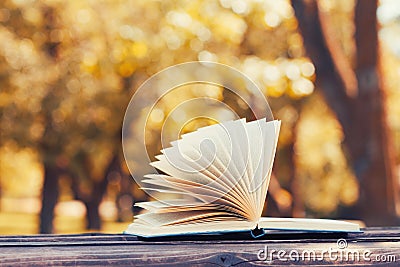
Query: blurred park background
x=330, y=70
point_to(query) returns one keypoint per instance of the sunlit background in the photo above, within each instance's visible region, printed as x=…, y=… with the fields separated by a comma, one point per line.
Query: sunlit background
x=69, y=68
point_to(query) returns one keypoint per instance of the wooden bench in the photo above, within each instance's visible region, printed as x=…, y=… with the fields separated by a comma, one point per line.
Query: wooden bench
x=373, y=247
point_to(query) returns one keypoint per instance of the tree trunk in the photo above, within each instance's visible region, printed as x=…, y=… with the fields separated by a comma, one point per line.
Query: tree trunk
x=50, y=190
x=297, y=208
x=50, y=193
x=356, y=97
x=285, y=192
x=92, y=202
x=125, y=200
x=93, y=220
x=371, y=147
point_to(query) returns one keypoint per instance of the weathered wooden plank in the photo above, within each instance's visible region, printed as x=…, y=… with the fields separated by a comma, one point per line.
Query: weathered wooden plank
x=101, y=249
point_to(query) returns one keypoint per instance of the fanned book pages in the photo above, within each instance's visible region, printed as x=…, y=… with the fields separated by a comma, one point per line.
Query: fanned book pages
x=221, y=175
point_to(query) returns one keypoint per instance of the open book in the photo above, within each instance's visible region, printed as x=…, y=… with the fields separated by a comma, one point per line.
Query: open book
x=221, y=175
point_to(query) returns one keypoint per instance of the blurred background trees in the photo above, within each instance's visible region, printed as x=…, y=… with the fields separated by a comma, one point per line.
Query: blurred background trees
x=68, y=69
x=354, y=91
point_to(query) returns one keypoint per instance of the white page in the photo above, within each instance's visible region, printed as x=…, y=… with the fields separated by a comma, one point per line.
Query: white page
x=227, y=164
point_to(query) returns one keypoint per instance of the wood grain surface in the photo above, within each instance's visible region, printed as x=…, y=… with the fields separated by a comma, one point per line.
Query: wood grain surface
x=376, y=246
